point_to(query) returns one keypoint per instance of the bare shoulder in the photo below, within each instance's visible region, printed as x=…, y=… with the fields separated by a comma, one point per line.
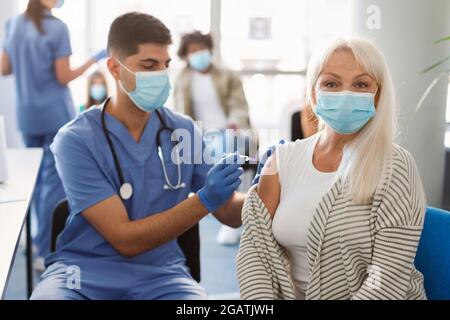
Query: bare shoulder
x=269, y=186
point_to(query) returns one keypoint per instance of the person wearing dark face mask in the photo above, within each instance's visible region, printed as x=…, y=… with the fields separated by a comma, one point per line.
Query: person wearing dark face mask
x=128, y=203
x=37, y=52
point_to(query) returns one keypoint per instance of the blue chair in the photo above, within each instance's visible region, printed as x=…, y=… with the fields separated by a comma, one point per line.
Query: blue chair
x=433, y=254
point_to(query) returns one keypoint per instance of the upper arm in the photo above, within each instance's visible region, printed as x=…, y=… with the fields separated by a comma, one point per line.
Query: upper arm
x=237, y=103
x=107, y=217
x=88, y=189
x=269, y=188
x=403, y=203
x=61, y=42
x=84, y=181
x=62, y=51
x=236, y=83
x=398, y=228
x=63, y=70
x=237, y=92
x=6, y=67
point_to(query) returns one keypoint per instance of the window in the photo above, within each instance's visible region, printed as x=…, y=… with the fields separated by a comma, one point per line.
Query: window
x=447, y=134
x=179, y=16
x=89, y=22
x=448, y=105
x=73, y=13
x=270, y=43
x=278, y=34
x=447, y=139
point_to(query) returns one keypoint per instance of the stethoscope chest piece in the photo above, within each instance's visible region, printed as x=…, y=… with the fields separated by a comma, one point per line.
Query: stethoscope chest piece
x=126, y=191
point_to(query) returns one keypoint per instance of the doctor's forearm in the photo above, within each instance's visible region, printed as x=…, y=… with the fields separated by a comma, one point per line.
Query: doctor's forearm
x=230, y=214
x=143, y=235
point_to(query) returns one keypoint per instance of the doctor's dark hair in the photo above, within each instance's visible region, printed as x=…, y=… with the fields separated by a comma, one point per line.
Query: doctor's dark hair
x=130, y=30
x=194, y=37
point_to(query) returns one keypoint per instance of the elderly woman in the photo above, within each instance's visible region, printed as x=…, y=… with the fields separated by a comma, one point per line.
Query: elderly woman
x=338, y=215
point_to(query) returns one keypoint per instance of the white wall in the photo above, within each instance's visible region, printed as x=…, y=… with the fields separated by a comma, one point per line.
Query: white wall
x=408, y=29
x=7, y=91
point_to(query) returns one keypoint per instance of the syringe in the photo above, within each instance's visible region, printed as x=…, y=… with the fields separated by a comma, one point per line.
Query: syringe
x=242, y=157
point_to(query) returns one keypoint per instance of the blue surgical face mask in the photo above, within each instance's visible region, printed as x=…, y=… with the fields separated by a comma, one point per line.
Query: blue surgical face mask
x=98, y=92
x=152, y=89
x=346, y=112
x=200, y=60
x=59, y=4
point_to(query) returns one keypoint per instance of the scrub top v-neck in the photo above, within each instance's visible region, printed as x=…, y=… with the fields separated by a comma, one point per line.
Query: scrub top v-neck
x=86, y=167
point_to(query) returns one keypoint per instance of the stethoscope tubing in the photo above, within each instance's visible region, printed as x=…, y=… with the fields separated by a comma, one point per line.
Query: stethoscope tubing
x=168, y=185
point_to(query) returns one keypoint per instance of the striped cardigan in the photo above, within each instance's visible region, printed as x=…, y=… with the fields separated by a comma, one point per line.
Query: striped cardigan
x=354, y=251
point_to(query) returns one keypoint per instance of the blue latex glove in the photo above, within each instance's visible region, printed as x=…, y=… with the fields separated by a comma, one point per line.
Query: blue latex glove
x=263, y=161
x=221, y=182
x=101, y=55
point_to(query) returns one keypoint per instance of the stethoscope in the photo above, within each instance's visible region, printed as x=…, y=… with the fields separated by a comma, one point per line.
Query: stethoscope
x=126, y=189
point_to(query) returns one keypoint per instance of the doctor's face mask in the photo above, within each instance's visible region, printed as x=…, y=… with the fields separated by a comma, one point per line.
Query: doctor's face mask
x=152, y=89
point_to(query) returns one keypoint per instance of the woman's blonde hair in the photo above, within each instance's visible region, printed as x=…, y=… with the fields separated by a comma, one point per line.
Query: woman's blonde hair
x=363, y=162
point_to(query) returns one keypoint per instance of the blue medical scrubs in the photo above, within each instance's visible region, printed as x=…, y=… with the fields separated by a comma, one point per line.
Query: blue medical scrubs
x=86, y=167
x=43, y=104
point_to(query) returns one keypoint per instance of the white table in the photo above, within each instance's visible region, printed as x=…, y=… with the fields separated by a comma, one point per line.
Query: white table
x=23, y=168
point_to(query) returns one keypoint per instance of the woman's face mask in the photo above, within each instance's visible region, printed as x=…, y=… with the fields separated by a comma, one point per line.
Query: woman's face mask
x=152, y=89
x=59, y=4
x=98, y=92
x=346, y=112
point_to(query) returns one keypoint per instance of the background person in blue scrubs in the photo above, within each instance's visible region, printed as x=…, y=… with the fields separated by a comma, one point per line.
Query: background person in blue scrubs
x=37, y=50
x=118, y=248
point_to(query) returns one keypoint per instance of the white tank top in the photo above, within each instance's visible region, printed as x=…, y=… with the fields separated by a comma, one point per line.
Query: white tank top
x=302, y=189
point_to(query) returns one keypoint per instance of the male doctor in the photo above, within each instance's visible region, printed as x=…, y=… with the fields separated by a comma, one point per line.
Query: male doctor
x=126, y=211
